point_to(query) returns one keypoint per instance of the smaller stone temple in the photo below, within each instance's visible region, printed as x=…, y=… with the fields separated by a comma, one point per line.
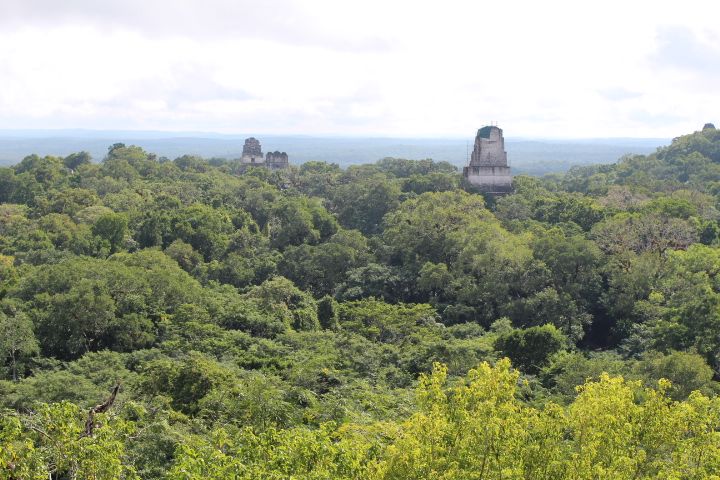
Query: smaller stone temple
x=252, y=155
x=277, y=159
x=488, y=168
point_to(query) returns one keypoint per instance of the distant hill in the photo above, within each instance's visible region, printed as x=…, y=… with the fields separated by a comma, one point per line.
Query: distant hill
x=526, y=156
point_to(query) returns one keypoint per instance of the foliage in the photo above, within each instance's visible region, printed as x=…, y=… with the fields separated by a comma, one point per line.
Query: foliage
x=531, y=348
x=325, y=323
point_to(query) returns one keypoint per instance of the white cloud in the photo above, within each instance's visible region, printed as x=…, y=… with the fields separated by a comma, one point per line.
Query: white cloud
x=681, y=48
x=422, y=68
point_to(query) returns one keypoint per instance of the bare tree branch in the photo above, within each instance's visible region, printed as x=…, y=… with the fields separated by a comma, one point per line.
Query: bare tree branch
x=101, y=408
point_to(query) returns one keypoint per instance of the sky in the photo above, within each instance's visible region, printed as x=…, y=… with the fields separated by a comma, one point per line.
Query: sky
x=540, y=69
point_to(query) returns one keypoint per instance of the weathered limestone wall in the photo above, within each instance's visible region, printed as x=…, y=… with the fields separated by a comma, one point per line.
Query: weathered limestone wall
x=277, y=159
x=488, y=168
x=252, y=147
x=252, y=151
x=489, y=178
x=252, y=159
x=489, y=148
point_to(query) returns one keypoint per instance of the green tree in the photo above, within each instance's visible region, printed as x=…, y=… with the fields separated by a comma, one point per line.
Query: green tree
x=531, y=349
x=296, y=220
x=687, y=372
x=281, y=299
x=17, y=339
x=52, y=443
x=328, y=313
x=385, y=322
x=361, y=203
x=75, y=160
x=322, y=268
x=112, y=228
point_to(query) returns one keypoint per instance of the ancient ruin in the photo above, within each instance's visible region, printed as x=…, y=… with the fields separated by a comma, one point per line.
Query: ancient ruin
x=252, y=155
x=252, y=151
x=276, y=159
x=488, y=168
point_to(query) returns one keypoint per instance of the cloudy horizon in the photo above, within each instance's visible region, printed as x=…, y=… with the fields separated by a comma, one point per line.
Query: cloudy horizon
x=371, y=68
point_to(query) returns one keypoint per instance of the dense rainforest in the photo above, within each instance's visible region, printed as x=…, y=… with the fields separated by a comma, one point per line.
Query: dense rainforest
x=191, y=319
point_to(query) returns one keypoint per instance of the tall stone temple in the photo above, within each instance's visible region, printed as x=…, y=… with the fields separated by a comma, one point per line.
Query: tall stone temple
x=252, y=155
x=488, y=168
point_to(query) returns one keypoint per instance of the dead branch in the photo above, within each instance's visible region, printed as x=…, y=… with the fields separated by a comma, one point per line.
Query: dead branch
x=101, y=408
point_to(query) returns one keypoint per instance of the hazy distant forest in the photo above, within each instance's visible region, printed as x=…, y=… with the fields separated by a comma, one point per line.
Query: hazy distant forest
x=381, y=321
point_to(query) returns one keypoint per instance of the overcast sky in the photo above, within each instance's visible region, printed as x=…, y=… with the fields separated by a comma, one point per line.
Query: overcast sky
x=369, y=67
